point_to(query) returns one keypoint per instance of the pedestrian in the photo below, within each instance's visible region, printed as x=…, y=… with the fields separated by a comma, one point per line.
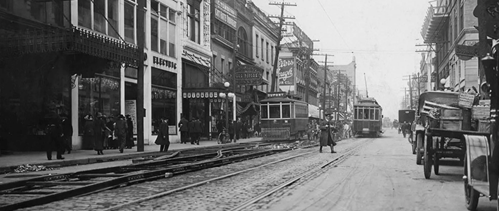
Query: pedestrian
x=258, y=129
x=237, y=127
x=163, y=138
x=54, y=136
x=99, y=134
x=120, y=131
x=109, y=140
x=129, y=135
x=184, y=130
x=346, y=130
x=67, y=133
x=88, y=132
x=231, y=131
x=327, y=138
x=199, y=130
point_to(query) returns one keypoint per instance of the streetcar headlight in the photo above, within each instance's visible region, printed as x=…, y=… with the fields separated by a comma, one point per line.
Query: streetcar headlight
x=285, y=121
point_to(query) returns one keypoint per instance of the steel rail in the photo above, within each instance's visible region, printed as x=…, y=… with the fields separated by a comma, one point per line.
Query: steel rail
x=113, y=177
x=302, y=177
x=118, y=207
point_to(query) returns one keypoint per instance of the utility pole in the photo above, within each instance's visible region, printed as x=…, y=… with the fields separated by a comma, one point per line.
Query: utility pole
x=338, y=94
x=410, y=92
x=140, y=76
x=274, y=86
x=325, y=81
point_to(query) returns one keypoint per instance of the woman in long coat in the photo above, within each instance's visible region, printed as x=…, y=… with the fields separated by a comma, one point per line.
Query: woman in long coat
x=88, y=132
x=99, y=128
x=326, y=138
x=163, y=140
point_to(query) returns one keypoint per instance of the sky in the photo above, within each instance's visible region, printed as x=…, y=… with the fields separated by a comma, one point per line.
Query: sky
x=381, y=34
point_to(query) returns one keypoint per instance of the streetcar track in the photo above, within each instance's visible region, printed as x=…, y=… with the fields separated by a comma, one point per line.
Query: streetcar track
x=301, y=178
x=202, y=183
x=57, y=187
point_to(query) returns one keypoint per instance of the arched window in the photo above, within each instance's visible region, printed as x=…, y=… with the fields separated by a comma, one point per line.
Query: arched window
x=242, y=41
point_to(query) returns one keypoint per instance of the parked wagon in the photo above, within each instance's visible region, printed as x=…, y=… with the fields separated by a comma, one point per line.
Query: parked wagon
x=283, y=118
x=444, y=121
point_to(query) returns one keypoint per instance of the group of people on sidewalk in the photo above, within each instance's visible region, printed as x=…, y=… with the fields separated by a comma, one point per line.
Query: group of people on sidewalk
x=190, y=130
x=108, y=132
x=237, y=130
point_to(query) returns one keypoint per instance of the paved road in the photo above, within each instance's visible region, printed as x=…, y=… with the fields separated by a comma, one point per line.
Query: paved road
x=381, y=176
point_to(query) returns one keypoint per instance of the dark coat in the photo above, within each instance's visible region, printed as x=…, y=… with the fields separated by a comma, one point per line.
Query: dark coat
x=326, y=138
x=163, y=138
x=99, y=128
x=88, y=135
x=120, y=127
x=67, y=128
x=197, y=126
x=183, y=125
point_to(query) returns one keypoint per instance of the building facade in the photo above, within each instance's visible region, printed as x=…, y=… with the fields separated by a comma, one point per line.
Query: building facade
x=86, y=63
x=449, y=26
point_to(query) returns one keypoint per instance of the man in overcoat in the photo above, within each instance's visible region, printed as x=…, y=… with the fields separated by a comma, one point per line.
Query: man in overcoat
x=327, y=130
x=120, y=130
x=184, y=130
x=163, y=136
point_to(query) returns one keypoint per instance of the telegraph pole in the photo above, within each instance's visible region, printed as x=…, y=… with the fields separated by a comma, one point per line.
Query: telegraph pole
x=140, y=76
x=274, y=86
x=325, y=82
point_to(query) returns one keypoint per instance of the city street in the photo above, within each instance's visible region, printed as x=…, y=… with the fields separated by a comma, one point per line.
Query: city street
x=381, y=176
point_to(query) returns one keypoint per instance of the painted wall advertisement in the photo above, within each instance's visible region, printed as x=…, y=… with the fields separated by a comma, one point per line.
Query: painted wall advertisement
x=131, y=109
x=286, y=71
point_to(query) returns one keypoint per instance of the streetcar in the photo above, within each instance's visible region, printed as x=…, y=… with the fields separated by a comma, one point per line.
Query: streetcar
x=367, y=118
x=282, y=117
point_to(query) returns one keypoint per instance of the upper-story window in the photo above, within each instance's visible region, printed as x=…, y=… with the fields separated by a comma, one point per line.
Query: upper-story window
x=261, y=48
x=256, y=46
x=93, y=15
x=162, y=29
x=242, y=41
x=47, y=12
x=267, y=52
x=193, y=22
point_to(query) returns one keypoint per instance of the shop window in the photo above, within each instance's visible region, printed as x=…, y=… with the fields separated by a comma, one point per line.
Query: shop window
x=164, y=105
x=98, y=94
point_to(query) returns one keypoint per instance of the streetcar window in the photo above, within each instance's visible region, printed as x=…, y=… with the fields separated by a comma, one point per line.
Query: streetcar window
x=376, y=114
x=361, y=113
x=264, y=112
x=371, y=113
x=275, y=111
x=366, y=113
x=355, y=113
x=286, y=111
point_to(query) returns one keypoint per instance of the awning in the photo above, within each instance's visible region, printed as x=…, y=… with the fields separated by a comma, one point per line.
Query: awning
x=36, y=38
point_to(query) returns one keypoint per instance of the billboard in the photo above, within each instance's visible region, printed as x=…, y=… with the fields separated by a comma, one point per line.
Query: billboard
x=285, y=71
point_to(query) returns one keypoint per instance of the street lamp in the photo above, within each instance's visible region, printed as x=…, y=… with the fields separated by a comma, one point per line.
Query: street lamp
x=226, y=96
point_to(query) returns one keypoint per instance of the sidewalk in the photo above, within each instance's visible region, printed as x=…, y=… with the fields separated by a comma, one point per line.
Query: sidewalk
x=83, y=157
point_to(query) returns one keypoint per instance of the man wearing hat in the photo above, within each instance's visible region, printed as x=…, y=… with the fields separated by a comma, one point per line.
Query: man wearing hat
x=120, y=130
x=326, y=138
x=67, y=131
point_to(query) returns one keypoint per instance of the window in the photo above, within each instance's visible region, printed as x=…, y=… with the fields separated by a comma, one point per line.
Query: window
x=162, y=29
x=222, y=65
x=256, y=46
x=129, y=22
x=93, y=15
x=355, y=113
x=264, y=112
x=286, y=111
x=267, y=52
x=275, y=111
x=261, y=48
x=84, y=14
x=376, y=115
x=272, y=53
x=242, y=41
x=193, y=21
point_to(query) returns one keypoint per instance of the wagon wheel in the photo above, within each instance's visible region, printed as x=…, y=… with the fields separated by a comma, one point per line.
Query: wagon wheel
x=419, y=146
x=470, y=194
x=427, y=161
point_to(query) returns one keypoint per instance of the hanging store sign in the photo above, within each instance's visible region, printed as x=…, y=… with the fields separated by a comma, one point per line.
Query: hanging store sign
x=249, y=75
x=465, y=52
